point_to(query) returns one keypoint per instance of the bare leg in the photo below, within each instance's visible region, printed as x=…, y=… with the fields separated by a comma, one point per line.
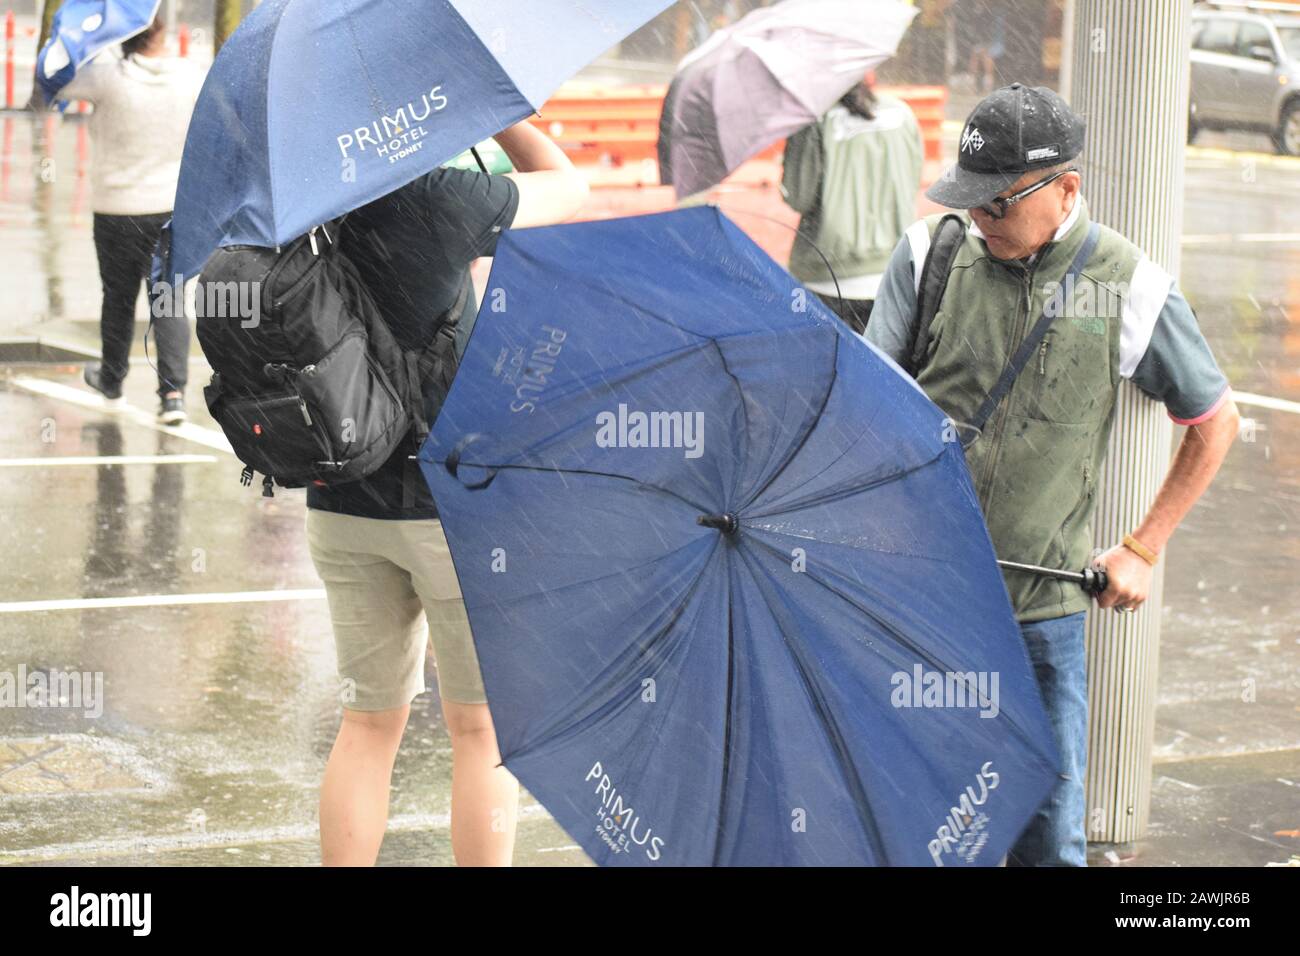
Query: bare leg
x=354, y=793
x=484, y=796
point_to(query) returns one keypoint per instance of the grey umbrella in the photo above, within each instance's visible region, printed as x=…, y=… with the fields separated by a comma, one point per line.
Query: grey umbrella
x=767, y=76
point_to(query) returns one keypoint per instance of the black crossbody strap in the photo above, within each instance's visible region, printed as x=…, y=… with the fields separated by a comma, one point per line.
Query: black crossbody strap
x=1027, y=347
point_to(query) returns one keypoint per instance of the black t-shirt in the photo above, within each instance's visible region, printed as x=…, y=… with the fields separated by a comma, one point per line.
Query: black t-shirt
x=413, y=247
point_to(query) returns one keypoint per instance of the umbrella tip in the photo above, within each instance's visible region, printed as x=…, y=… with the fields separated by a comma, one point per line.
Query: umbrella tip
x=727, y=523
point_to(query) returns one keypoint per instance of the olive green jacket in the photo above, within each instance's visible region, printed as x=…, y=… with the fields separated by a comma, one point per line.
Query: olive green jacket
x=855, y=182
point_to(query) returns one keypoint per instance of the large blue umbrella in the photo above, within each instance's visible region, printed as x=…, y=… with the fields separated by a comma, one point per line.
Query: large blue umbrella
x=732, y=594
x=315, y=107
x=81, y=29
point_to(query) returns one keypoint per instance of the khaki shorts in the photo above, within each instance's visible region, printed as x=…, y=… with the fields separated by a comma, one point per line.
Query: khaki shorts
x=383, y=579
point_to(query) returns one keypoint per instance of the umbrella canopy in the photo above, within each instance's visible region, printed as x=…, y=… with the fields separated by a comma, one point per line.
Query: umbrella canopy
x=759, y=688
x=772, y=73
x=80, y=31
x=315, y=107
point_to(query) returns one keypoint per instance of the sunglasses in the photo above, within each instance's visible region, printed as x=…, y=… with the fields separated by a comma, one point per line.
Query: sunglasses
x=998, y=206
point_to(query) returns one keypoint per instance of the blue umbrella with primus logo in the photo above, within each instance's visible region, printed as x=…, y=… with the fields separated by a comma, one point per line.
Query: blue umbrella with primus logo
x=315, y=107
x=730, y=587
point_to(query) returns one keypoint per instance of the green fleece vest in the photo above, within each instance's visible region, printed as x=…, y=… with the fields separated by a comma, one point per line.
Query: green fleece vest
x=1035, y=466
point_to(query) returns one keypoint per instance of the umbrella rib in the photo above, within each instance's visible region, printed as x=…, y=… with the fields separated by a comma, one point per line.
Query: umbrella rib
x=724, y=782
x=845, y=544
x=837, y=492
x=875, y=412
x=844, y=759
x=563, y=725
x=582, y=471
x=899, y=636
x=826, y=394
x=614, y=293
x=559, y=589
x=744, y=410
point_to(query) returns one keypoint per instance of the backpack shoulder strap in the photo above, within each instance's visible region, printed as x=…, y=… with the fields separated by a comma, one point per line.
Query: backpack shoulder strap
x=436, y=362
x=947, y=239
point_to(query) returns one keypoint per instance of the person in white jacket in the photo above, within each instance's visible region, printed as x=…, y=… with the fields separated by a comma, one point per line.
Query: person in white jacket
x=143, y=100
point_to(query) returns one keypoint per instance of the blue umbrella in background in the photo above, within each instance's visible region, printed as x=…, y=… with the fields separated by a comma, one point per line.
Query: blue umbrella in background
x=315, y=107
x=732, y=593
x=81, y=30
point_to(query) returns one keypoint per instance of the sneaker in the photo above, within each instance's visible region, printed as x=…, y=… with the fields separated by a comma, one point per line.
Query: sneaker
x=93, y=376
x=172, y=409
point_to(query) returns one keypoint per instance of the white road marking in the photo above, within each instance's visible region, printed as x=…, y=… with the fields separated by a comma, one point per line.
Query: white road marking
x=106, y=460
x=1266, y=401
x=208, y=437
x=141, y=844
x=1223, y=238
x=160, y=600
x=1221, y=153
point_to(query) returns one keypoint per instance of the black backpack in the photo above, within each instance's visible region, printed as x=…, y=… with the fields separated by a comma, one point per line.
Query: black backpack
x=312, y=387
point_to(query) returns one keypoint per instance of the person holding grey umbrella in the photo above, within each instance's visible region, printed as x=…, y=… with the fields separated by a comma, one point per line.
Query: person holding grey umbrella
x=854, y=176
x=1020, y=319
x=765, y=78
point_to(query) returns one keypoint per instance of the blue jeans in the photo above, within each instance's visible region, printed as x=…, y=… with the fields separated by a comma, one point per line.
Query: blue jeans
x=1055, y=835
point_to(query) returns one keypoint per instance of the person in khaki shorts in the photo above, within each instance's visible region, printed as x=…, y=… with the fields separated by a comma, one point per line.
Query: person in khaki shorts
x=377, y=543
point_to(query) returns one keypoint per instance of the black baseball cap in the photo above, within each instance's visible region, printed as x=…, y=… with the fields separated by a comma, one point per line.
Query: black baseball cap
x=1011, y=131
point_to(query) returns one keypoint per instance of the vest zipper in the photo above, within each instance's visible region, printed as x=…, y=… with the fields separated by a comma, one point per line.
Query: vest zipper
x=1042, y=358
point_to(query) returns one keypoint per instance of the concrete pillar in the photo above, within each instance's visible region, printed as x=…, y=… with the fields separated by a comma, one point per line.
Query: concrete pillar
x=1129, y=78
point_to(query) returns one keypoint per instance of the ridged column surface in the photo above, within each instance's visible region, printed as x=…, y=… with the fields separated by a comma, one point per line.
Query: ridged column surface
x=1129, y=78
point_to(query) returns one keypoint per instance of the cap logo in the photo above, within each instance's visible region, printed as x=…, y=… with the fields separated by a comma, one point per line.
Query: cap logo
x=971, y=140
x=1042, y=152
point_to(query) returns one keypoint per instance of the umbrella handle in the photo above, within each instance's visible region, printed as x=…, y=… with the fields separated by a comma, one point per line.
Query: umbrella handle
x=1094, y=580
x=452, y=464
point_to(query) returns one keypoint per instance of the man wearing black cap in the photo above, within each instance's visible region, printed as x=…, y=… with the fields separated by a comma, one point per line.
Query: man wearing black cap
x=1041, y=315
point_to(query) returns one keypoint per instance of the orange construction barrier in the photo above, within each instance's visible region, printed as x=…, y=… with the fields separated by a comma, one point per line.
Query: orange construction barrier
x=9, y=60
x=618, y=126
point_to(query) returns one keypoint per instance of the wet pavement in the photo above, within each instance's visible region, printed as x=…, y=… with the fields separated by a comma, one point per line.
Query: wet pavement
x=195, y=599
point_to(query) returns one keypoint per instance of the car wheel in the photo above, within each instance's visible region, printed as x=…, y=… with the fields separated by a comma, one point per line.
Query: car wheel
x=1287, y=137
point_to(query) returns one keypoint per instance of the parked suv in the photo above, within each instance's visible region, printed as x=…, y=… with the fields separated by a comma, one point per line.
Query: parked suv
x=1246, y=72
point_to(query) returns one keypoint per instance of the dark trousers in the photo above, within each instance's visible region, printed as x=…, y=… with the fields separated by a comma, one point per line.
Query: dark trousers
x=124, y=246
x=855, y=312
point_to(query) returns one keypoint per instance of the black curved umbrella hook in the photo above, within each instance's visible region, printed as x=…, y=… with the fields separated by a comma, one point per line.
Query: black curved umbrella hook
x=452, y=464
